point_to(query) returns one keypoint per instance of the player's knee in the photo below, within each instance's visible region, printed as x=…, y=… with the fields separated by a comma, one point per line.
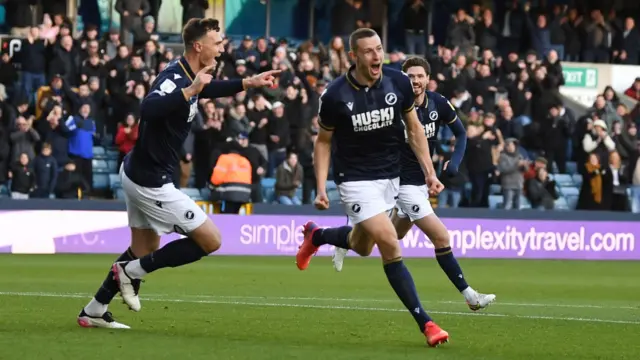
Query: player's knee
x=207, y=236
x=440, y=239
x=144, y=241
x=214, y=241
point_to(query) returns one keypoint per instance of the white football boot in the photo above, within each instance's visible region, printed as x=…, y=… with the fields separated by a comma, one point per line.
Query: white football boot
x=338, y=257
x=126, y=286
x=105, y=321
x=477, y=301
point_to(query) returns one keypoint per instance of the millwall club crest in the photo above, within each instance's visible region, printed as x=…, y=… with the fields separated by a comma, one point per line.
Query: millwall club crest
x=390, y=99
x=433, y=115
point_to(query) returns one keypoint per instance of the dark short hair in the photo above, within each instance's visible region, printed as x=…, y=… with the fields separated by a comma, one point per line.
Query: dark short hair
x=361, y=33
x=417, y=61
x=196, y=28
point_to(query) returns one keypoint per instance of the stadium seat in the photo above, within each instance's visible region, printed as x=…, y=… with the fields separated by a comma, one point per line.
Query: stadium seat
x=333, y=195
x=524, y=202
x=100, y=181
x=192, y=193
x=120, y=194
x=112, y=165
x=114, y=181
x=112, y=154
x=563, y=179
x=570, y=191
x=99, y=152
x=4, y=191
x=205, y=193
x=577, y=179
x=299, y=193
x=268, y=189
x=572, y=167
x=495, y=189
x=192, y=181
x=572, y=201
x=495, y=201
x=561, y=204
x=100, y=166
x=331, y=185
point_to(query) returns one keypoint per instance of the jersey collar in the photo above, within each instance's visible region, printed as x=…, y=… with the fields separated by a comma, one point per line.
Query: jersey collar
x=425, y=102
x=186, y=68
x=352, y=80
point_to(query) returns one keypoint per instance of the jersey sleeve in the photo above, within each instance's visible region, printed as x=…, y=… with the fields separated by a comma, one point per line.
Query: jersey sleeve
x=165, y=96
x=406, y=89
x=326, y=111
x=447, y=111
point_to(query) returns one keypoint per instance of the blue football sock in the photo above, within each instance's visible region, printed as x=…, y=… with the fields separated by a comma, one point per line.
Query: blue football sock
x=450, y=266
x=176, y=253
x=109, y=287
x=338, y=237
x=402, y=283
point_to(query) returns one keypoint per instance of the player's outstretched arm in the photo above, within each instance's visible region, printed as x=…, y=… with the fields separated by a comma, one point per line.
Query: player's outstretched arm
x=418, y=142
x=458, y=130
x=223, y=88
x=321, y=162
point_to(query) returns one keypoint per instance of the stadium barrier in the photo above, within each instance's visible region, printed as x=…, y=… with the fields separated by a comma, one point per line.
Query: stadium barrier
x=59, y=226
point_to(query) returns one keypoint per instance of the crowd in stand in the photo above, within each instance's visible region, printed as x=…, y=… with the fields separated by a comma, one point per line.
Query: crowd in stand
x=74, y=93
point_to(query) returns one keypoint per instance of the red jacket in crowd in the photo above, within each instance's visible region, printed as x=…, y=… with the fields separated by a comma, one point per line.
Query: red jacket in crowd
x=126, y=141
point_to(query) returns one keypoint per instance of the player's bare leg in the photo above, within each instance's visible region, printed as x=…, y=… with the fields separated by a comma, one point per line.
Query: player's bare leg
x=202, y=241
x=435, y=230
x=95, y=314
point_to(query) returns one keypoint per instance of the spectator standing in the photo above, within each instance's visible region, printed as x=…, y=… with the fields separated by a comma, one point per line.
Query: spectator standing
x=33, y=62
x=279, y=137
x=82, y=129
x=511, y=166
x=289, y=177
x=596, y=191
x=23, y=140
x=627, y=45
x=22, y=178
x=416, y=15
x=126, y=137
x=131, y=13
x=71, y=184
x=193, y=9
x=46, y=173
x=479, y=163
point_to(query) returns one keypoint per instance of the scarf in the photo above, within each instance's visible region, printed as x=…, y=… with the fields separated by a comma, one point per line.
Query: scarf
x=595, y=182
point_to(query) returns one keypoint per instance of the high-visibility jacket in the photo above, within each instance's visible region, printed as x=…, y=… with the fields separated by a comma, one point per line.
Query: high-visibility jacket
x=231, y=178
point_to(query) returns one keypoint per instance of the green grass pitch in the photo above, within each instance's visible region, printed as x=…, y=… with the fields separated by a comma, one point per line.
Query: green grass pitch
x=264, y=308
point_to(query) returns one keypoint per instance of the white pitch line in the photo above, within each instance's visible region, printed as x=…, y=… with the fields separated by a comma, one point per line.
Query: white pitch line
x=327, y=307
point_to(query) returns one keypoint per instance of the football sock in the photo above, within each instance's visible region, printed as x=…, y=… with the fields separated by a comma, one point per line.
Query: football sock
x=450, y=266
x=108, y=290
x=176, y=253
x=402, y=283
x=338, y=237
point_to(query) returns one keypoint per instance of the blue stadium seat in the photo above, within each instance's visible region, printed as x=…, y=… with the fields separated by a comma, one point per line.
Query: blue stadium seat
x=561, y=204
x=563, y=179
x=524, y=202
x=299, y=193
x=331, y=185
x=334, y=195
x=570, y=191
x=114, y=181
x=572, y=167
x=99, y=152
x=192, y=181
x=268, y=189
x=120, y=194
x=577, y=179
x=112, y=154
x=100, y=166
x=192, y=193
x=205, y=193
x=495, y=201
x=112, y=165
x=495, y=189
x=572, y=201
x=4, y=191
x=100, y=181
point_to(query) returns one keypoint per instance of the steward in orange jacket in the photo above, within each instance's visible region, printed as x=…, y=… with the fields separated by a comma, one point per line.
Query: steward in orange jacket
x=231, y=179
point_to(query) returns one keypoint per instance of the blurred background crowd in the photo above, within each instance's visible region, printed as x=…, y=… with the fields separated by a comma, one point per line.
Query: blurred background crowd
x=69, y=111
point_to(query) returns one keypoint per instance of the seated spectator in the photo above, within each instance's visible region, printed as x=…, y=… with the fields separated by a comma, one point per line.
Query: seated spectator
x=46, y=169
x=511, y=166
x=541, y=191
x=22, y=178
x=596, y=191
x=71, y=184
x=532, y=171
x=126, y=137
x=288, y=179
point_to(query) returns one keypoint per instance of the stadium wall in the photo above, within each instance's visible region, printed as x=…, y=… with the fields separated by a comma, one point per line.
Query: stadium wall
x=61, y=226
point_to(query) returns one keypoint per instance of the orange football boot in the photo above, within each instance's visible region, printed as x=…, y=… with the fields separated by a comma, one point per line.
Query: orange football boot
x=435, y=335
x=307, y=249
